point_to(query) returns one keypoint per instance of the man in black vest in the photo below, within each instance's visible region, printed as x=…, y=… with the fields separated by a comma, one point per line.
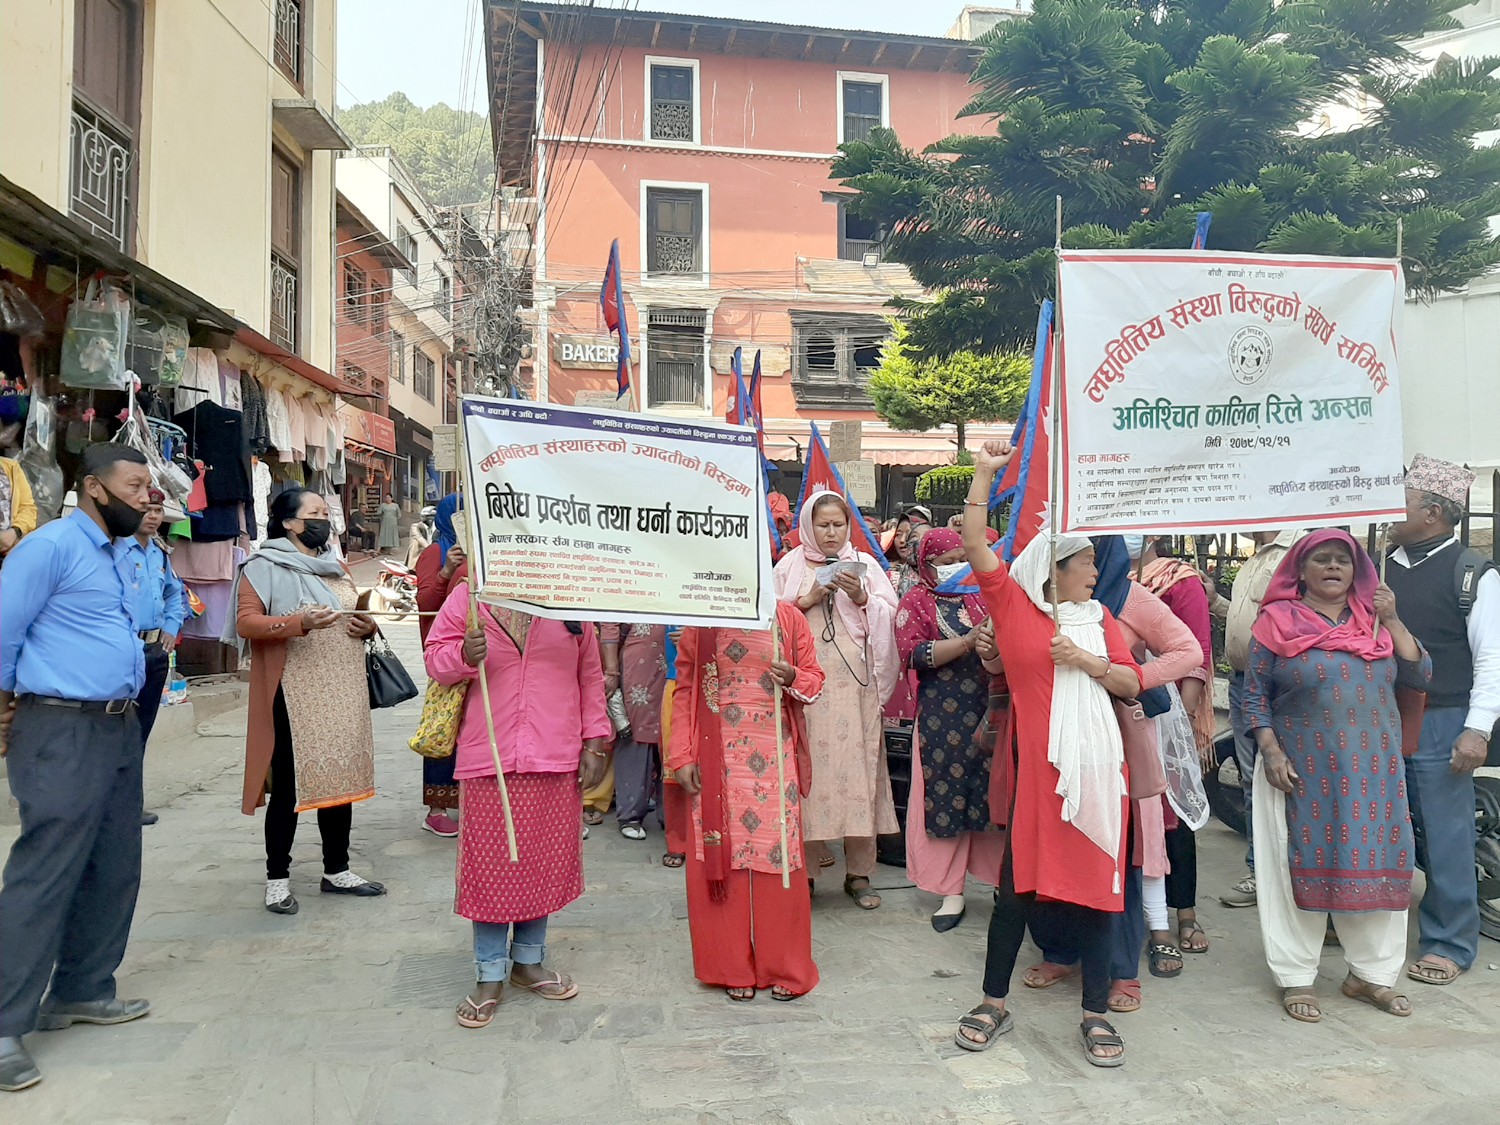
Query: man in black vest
x=1451, y=602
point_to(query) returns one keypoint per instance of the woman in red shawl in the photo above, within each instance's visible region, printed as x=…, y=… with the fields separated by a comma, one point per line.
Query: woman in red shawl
x=1332, y=826
x=748, y=930
x=949, y=833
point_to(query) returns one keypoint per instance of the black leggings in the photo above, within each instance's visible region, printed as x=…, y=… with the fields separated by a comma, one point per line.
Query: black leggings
x=1182, y=880
x=1090, y=931
x=281, y=810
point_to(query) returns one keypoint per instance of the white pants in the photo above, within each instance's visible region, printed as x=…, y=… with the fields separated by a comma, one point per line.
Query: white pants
x=1374, y=941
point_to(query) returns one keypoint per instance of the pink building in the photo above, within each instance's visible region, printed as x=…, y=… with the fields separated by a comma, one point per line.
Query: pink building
x=703, y=145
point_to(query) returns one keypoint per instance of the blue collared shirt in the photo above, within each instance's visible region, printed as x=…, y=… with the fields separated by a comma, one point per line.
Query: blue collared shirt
x=156, y=591
x=67, y=626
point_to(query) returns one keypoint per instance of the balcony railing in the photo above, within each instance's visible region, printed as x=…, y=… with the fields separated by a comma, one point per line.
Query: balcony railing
x=671, y=120
x=855, y=249
x=288, y=49
x=99, y=177
x=283, y=303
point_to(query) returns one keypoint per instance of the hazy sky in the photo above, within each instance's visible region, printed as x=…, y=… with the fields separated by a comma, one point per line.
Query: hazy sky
x=421, y=49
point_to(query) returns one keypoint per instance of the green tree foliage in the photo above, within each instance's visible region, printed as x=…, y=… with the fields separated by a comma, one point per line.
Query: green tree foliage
x=913, y=393
x=1141, y=113
x=448, y=151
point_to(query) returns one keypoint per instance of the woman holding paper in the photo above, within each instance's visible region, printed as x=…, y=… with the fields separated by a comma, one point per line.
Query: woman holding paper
x=1064, y=658
x=546, y=693
x=749, y=930
x=851, y=608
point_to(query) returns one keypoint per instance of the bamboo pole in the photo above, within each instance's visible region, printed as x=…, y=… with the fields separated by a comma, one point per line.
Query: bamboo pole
x=786, y=859
x=476, y=575
x=1055, y=446
x=1385, y=530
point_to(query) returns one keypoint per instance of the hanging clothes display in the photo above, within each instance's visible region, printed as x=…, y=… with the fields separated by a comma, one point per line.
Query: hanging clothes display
x=253, y=406
x=217, y=438
x=278, y=423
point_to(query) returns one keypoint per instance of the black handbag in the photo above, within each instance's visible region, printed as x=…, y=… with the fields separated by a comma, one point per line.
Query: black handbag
x=389, y=683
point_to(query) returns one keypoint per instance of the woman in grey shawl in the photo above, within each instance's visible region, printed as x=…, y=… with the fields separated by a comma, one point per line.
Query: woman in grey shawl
x=309, y=740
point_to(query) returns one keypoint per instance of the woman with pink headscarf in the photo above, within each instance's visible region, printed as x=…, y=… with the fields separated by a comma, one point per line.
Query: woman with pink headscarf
x=851, y=609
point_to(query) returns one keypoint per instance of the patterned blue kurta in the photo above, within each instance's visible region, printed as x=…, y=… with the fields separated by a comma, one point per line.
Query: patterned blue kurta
x=1349, y=842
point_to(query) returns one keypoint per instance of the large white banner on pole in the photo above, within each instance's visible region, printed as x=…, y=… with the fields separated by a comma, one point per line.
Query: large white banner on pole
x=591, y=515
x=1205, y=391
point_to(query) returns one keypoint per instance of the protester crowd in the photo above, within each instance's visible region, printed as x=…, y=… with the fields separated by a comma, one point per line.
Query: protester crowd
x=1060, y=708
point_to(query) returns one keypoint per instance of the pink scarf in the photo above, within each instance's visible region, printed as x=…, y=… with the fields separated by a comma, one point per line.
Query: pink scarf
x=1288, y=628
x=791, y=571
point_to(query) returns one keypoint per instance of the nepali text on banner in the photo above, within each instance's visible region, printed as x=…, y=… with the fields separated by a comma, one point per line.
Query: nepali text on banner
x=1207, y=390
x=604, y=516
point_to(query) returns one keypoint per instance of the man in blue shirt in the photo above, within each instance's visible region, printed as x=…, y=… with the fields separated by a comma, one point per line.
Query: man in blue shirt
x=71, y=667
x=160, y=609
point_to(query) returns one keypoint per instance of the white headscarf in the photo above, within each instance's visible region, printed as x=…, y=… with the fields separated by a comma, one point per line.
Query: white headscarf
x=1083, y=737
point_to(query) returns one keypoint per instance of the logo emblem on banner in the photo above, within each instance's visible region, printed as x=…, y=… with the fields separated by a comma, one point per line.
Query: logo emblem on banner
x=1250, y=351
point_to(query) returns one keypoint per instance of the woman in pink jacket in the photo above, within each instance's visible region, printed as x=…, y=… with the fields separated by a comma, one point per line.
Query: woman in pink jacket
x=547, y=695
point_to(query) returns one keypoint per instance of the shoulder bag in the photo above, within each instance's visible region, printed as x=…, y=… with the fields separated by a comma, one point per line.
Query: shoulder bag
x=389, y=683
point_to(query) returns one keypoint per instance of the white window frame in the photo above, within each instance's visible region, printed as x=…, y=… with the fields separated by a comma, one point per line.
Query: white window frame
x=881, y=80
x=680, y=279
x=691, y=64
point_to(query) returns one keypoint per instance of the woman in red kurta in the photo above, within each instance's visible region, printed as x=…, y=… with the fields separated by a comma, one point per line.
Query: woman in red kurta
x=1065, y=848
x=748, y=930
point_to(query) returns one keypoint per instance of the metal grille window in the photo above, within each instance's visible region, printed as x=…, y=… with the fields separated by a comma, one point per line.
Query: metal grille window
x=107, y=37
x=355, y=287
x=674, y=231
x=674, y=357
x=99, y=176
x=286, y=245
x=284, y=304
x=862, y=109
x=398, y=356
x=424, y=374
x=672, y=103
x=288, y=48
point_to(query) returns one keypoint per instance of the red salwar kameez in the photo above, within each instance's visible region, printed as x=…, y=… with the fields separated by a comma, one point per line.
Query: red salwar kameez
x=754, y=933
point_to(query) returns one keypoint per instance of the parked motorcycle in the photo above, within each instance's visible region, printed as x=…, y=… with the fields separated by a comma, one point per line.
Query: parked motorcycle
x=396, y=587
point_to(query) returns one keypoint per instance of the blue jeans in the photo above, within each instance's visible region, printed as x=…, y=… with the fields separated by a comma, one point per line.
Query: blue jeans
x=499, y=945
x=1244, y=754
x=1442, y=803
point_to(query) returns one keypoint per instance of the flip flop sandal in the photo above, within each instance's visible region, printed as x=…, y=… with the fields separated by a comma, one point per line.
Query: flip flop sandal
x=593, y=816
x=1382, y=998
x=569, y=988
x=827, y=861
x=1046, y=974
x=1186, y=931
x=1091, y=1043
x=673, y=859
x=783, y=994
x=1446, y=974
x=1305, y=997
x=730, y=992
x=991, y=1031
x=1124, y=996
x=479, y=1019
x=1160, y=952
x=866, y=899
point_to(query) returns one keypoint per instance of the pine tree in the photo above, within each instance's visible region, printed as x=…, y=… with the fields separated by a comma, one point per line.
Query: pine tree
x=913, y=393
x=1141, y=113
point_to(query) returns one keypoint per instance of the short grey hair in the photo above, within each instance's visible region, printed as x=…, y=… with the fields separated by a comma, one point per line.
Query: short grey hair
x=1452, y=512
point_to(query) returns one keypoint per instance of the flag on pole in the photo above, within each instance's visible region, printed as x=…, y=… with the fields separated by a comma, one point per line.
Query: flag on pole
x=612, y=301
x=738, y=411
x=755, y=407
x=820, y=475
x=1200, y=234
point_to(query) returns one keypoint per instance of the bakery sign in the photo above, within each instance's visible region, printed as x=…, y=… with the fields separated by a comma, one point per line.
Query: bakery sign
x=601, y=352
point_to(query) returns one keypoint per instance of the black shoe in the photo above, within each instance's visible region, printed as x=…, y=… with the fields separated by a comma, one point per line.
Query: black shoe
x=148, y=818
x=365, y=889
x=287, y=905
x=942, y=923
x=17, y=1068
x=55, y=1016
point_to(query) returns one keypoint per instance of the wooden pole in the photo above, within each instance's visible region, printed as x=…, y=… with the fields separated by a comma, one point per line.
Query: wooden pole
x=476, y=575
x=786, y=859
x=1055, y=445
x=1385, y=530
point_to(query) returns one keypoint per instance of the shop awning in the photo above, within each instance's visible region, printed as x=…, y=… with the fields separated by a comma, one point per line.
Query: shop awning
x=787, y=438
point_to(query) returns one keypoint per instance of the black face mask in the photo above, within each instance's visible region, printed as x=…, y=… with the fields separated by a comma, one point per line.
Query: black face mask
x=315, y=534
x=120, y=519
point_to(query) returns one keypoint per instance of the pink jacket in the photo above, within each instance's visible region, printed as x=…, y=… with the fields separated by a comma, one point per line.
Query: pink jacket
x=545, y=702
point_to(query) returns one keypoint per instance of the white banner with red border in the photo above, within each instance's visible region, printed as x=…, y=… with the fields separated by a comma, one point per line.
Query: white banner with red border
x=1227, y=391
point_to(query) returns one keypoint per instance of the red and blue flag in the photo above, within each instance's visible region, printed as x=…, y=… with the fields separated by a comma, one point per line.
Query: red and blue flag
x=612, y=301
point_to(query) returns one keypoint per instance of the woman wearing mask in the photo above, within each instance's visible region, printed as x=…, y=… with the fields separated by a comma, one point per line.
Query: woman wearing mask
x=852, y=617
x=309, y=738
x=948, y=829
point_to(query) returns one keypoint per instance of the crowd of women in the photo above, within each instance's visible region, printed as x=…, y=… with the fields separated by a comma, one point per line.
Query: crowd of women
x=1059, y=706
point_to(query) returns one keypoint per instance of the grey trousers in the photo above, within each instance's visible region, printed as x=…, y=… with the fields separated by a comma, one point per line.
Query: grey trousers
x=637, y=781
x=71, y=880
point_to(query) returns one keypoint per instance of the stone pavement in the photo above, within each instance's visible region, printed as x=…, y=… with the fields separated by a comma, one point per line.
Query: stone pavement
x=344, y=1013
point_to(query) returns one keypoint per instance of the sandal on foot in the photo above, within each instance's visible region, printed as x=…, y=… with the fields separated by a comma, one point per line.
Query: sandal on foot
x=986, y=1020
x=1092, y=1043
x=783, y=994
x=1301, y=997
x=828, y=860
x=632, y=832
x=865, y=898
x=1124, y=996
x=740, y=995
x=1385, y=999
x=1432, y=969
x=593, y=816
x=1046, y=974
x=1161, y=951
x=1187, y=935
x=556, y=987
x=673, y=859
x=480, y=1018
